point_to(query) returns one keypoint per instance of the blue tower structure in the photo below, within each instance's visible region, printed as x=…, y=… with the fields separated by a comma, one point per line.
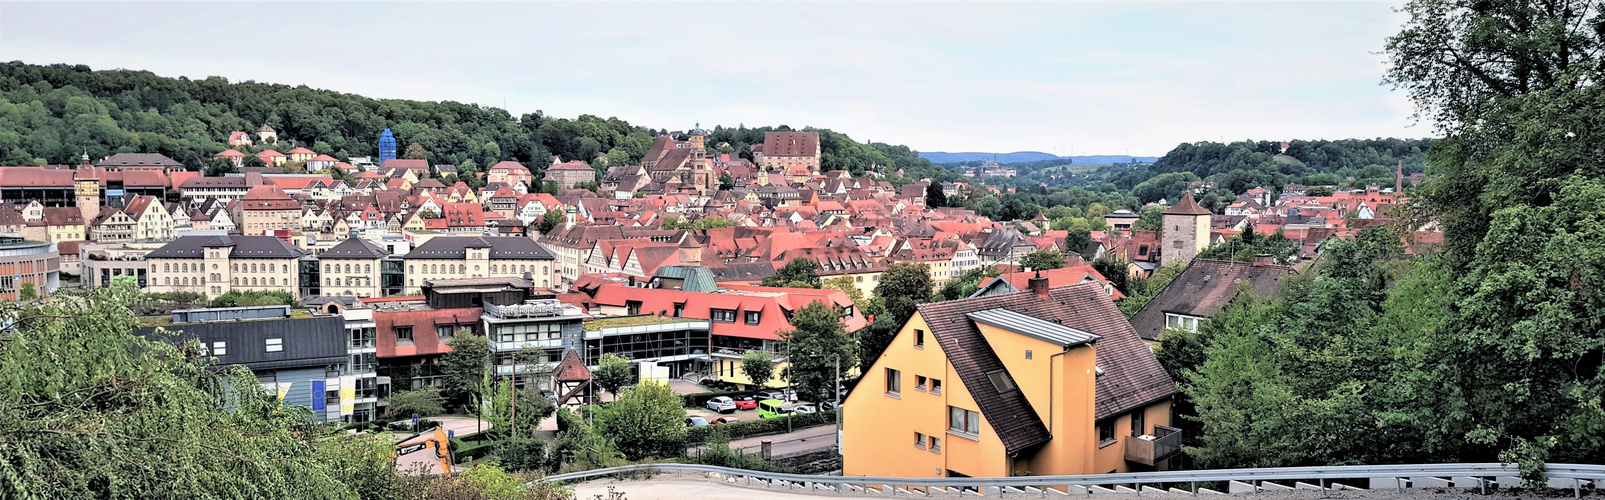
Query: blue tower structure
x=387, y=147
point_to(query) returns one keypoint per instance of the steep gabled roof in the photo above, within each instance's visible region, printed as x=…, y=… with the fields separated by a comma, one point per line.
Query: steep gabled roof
x=1203, y=288
x=1131, y=378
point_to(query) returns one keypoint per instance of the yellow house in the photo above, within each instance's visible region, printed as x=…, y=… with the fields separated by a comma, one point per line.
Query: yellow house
x=1040, y=382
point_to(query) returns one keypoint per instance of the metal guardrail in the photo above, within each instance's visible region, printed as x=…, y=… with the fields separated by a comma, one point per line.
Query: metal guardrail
x=1487, y=472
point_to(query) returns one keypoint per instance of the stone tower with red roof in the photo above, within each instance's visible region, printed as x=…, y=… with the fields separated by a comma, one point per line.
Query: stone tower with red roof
x=86, y=188
x=1185, y=233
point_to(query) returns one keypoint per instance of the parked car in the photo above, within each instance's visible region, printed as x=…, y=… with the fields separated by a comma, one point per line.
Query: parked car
x=771, y=394
x=774, y=408
x=696, y=422
x=829, y=405
x=722, y=404
x=726, y=420
x=745, y=403
x=805, y=409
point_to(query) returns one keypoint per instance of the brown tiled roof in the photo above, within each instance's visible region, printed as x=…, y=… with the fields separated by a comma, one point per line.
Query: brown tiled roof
x=1131, y=378
x=571, y=369
x=1203, y=288
x=1187, y=207
x=790, y=143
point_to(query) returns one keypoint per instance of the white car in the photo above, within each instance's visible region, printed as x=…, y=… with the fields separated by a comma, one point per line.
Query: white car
x=806, y=409
x=722, y=404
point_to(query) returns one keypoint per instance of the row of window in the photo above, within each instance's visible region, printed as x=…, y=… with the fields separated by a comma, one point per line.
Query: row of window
x=894, y=383
x=335, y=268
x=185, y=267
x=186, y=281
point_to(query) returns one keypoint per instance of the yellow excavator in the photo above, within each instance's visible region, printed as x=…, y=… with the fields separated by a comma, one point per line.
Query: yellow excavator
x=427, y=452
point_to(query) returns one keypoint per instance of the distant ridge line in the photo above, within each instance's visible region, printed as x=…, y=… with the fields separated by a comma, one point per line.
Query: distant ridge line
x=1025, y=156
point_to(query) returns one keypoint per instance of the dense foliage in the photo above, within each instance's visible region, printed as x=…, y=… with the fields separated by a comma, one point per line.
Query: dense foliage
x=87, y=409
x=816, y=347
x=1489, y=351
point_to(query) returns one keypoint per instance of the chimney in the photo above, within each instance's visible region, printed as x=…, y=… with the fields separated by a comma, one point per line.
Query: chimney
x=1264, y=259
x=1038, y=285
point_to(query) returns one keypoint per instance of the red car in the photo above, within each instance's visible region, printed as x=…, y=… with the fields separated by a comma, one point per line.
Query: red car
x=726, y=420
x=746, y=403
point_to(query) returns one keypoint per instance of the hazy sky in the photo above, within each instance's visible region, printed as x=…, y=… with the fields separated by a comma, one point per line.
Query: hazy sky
x=1101, y=78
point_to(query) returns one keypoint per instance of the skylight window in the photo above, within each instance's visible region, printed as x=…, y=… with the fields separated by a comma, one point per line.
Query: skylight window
x=1001, y=381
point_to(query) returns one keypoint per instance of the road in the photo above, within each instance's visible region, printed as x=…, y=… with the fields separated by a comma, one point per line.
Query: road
x=796, y=442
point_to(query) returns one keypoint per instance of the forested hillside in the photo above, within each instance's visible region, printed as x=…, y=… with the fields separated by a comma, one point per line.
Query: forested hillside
x=53, y=114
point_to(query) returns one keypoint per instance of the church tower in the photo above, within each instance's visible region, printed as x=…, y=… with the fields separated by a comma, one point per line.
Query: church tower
x=702, y=177
x=1185, y=233
x=86, y=188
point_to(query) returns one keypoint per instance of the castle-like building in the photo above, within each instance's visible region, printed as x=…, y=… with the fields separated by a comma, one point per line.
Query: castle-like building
x=1186, y=231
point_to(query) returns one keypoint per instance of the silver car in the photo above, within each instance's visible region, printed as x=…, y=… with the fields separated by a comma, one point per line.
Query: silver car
x=722, y=404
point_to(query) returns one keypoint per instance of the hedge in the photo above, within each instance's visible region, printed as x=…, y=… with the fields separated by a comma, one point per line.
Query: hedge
x=463, y=451
x=760, y=427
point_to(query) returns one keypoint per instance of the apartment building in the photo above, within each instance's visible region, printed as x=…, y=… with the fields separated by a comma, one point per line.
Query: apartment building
x=1043, y=381
x=214, y=265
x=467, y=257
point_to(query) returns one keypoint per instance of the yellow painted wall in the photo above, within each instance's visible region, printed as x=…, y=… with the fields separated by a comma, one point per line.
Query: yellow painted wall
x=878, y=430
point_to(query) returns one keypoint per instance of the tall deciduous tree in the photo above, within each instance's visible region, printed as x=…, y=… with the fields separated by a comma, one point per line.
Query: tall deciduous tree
x=463, y=368
x=814, y=345
x=613, y=373
x=646, y=420
x=934, y=196
x=758, y=366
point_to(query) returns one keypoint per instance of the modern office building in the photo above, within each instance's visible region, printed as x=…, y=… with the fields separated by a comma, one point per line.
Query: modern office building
x=24, y=262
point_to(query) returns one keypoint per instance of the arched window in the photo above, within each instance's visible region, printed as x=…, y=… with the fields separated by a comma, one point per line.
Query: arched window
x=273, y=281
x=412, y=269
x=253, y=281
x=367, y=268
x=167, y=281
x=348, y=268
x=165, y=268
x=253, y=267
x=236, y=281
x=272, y=268
x=521, y=269
x=326, y=267
x=235, y=267
x=186, y=281
x=326, y=282
x=543, y=269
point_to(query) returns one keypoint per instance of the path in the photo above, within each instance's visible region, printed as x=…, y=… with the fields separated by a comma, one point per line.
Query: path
x=791, y=443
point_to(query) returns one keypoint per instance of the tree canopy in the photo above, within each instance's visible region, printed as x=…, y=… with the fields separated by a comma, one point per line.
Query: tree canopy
x=813, y=347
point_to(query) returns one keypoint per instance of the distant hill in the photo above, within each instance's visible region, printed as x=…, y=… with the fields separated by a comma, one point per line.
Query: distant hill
x=1026, y=156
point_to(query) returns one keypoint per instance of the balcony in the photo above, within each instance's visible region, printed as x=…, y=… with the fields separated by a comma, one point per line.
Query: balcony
x=1151, y=450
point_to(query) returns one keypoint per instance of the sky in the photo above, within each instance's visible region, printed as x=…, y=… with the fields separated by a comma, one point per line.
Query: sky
x=1083, y=78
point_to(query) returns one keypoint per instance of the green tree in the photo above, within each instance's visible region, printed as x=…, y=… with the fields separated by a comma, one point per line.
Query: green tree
x=415, y=152
x=217, y=167
x=1042, y=260
x=758, y=366
x=550, y=220
x=934, y=196
x=1077, y=240
x=1115, y=271
x=848, y=286
x=28, y=292
x=424, y=402
x=726, y=181
x=463, y=369
x=903, y=286
x=814, y=346
x=429, y=213
x=1151, y=219
x=799, y=271
x=84, y=402
x=647, y=420
x=613, y=373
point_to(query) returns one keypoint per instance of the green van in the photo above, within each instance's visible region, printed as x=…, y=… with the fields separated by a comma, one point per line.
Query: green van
x=773, y=408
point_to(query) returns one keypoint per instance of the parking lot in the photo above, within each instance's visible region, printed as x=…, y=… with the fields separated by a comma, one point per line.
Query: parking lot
x=744, y=415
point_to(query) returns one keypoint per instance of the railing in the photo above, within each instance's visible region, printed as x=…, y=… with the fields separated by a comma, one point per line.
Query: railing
x=1572, y=476
x=1166, y=443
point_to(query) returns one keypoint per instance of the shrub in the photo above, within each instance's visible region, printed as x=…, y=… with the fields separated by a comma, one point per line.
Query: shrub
x=424, y=402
